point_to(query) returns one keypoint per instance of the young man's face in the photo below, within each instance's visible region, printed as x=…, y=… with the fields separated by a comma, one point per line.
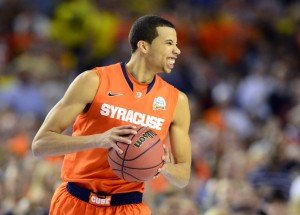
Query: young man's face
x=163, y=50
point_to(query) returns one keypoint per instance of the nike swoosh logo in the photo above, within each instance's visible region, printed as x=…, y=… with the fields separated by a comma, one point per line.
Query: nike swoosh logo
x=114, y=94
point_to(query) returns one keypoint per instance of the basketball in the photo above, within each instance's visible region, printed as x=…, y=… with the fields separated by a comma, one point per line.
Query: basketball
x=141, y=159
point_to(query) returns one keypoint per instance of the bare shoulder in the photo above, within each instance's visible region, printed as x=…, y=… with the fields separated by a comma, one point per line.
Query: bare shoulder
x=182, y=110
x=183, y=102
x=84, y=86
x=88, y=77
x=182, y=97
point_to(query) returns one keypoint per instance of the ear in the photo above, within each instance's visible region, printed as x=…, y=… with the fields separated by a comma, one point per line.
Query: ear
x=143, y=46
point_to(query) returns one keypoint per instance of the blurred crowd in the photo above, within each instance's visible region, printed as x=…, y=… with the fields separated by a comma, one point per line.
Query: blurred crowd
x=239, y=66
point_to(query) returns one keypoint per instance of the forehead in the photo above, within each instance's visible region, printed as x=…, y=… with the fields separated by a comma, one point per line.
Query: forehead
x=166, y=33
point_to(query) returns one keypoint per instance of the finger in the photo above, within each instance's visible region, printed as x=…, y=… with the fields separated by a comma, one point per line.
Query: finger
x=127, y=131
x=156, y=175
x=166, y=149
x=158, y=172
x=165, y=157
x=123, y=139
x=118, y=150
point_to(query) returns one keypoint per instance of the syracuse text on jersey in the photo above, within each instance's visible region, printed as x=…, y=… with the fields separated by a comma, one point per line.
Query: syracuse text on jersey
x=131, y=116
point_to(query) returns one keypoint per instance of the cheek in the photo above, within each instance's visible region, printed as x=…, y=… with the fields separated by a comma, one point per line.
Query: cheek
x=157, y=55
x=159, y=50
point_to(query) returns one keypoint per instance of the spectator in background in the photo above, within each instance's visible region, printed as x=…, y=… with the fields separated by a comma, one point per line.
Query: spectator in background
x=177, y=205
x=225, y=115
x=272, y=180
x=24, y=96
x=87, y=30
x=253, y=91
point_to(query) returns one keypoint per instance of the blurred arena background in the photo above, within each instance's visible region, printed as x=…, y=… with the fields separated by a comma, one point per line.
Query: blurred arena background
x=239, y=66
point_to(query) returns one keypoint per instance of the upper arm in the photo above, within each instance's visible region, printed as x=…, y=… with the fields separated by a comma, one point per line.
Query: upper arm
x=80, y=93
x=179, y=131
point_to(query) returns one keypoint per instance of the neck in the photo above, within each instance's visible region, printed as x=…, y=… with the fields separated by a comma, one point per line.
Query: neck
x=139, y=71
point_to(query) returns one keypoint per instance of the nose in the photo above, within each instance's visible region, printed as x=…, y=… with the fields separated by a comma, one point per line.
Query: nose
x=177, y=50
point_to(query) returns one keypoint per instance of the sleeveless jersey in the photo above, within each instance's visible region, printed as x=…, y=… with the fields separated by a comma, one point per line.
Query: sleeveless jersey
x=116, y=104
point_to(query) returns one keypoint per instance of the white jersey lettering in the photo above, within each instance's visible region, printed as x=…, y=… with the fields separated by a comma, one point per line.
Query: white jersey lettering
x=131, y=116
x=136, y=118
x=100, y=201
x=122, y=114
x=105, y=109
x=113, y=111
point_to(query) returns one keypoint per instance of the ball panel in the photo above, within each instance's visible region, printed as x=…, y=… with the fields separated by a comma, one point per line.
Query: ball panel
x=141, y=159
x=135, y=152
x=142, y=174
x=139, y=175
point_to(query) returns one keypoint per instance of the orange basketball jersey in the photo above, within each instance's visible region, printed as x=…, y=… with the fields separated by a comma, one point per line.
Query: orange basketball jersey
x=116, y=103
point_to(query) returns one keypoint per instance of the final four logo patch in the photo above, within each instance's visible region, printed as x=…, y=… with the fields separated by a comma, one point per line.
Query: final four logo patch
x=159, y=103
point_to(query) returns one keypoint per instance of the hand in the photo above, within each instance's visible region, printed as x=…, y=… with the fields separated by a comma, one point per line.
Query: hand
x=110, y=138
x=167, y=160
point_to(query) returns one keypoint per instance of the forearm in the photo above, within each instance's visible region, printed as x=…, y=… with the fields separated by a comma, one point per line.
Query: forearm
x=54, y=144
x=177, y=174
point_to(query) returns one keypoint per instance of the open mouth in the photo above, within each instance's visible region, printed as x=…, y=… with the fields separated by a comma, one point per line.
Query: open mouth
x=171, y=62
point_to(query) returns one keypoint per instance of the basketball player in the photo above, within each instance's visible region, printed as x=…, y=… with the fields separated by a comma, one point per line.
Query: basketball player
x=107, y=103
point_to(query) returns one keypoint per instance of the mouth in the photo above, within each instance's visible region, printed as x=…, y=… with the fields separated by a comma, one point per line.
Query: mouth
x=171, y=62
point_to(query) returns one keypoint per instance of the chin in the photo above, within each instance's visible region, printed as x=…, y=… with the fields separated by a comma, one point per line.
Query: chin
x=167, y=70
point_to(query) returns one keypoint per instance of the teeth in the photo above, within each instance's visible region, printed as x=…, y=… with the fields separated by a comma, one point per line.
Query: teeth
x=171, y=61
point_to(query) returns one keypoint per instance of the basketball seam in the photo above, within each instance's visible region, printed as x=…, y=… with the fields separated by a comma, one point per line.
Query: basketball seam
x=137, y=168
x=130, y=175
x=143, y=151
x=140, y=129
x=123, y=161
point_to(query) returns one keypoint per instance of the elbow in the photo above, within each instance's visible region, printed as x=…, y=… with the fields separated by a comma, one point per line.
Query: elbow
x=36, y=149
x=183, y=184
